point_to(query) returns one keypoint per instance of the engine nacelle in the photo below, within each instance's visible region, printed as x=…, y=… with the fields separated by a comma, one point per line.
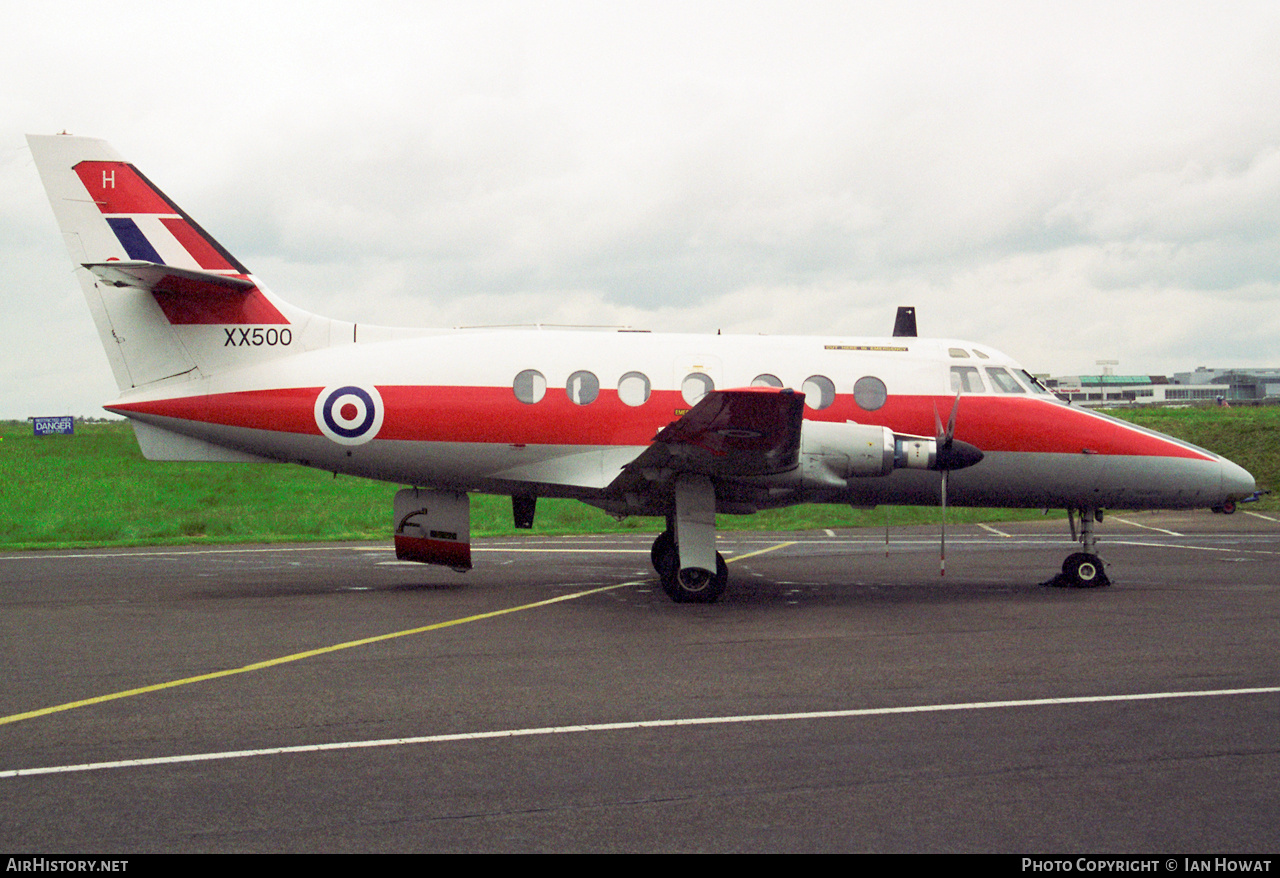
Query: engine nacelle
x=847, y=450
x=833, y=453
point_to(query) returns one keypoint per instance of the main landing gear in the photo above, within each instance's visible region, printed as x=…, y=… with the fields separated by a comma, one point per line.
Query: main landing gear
x=1083, y=569
x=684, y=554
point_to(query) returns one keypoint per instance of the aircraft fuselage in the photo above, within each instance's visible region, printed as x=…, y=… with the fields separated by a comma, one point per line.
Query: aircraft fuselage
x=448, y=415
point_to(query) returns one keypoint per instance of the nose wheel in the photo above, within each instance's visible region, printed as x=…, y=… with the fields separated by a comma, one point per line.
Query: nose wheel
x=1083, y=569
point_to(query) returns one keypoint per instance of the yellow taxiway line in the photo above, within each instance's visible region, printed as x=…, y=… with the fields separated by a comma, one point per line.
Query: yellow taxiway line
x=323, y=650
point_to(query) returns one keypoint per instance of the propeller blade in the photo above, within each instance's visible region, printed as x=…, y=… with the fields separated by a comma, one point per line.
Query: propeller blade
x=950, y=455
x=947, y=434
x=942, y=558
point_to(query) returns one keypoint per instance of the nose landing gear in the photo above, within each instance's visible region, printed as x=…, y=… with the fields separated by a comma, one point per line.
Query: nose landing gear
x=1083, y=569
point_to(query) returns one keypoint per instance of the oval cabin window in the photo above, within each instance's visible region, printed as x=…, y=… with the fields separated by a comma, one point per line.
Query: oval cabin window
x=633, y=388
x=695, y=386
x=583, y=387
x=819, y=391
x=869, y=393
x=530, y=386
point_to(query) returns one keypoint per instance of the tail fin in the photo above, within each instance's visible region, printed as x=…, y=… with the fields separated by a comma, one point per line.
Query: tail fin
x=170, y=302
x=904, y=324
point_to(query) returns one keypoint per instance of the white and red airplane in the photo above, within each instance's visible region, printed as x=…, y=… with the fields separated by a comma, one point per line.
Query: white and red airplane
x=212, y=366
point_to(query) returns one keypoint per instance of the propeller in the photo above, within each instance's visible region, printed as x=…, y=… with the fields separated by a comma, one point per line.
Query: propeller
x=942, y=544
x=951, y=454
x=944, y=438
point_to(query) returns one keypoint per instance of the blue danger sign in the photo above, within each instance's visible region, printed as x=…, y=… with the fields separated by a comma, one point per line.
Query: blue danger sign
x=64, y=425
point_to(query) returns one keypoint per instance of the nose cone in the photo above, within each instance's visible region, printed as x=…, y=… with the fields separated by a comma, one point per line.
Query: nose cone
x=1237, y=482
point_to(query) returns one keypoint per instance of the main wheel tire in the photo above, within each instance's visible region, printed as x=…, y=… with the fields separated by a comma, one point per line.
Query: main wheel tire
x=663, y=553
x=694, y=586
x=666, y=560
x=1084, y=570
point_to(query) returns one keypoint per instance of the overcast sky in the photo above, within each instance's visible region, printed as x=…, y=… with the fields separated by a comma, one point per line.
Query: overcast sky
x=1065, y=181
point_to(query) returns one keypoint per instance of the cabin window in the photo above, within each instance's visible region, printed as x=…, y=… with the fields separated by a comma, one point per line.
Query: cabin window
x=1003, y=381
x=819, y=391
x=695, y=386
x=766, y=380
x=633, y=388
x=869, y=393
x=530, y=386
x=583, y=387
x=965, y=379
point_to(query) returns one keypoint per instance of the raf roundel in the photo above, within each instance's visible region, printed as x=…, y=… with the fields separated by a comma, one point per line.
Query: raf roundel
x=349, y=415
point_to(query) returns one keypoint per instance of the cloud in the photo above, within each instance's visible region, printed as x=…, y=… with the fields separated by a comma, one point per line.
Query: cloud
x=1067, y=182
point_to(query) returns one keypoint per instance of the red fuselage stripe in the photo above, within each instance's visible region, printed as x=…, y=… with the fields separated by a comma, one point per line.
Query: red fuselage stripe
x=494, y=415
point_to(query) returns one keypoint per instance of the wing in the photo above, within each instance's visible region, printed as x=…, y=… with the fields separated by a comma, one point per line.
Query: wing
x=753, y=431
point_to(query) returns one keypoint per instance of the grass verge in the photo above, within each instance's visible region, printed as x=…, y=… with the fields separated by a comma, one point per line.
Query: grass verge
x=95, y=489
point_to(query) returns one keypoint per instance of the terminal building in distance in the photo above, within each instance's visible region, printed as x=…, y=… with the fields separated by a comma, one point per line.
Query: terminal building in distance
x=1231, y=386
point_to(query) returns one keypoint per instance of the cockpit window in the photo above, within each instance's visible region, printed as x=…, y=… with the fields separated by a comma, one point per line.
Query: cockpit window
x=959, y=353
x=1031, y=381
x=965, y=379
x=1003, y=381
